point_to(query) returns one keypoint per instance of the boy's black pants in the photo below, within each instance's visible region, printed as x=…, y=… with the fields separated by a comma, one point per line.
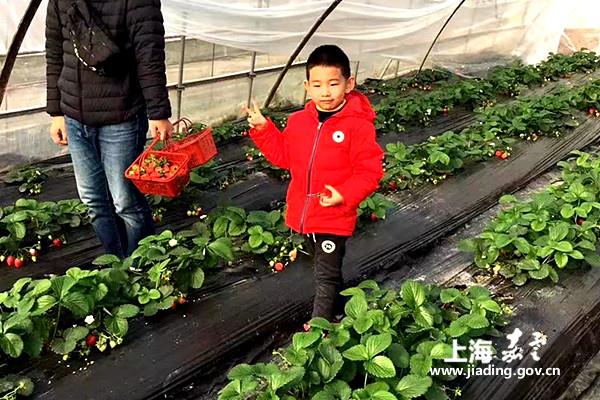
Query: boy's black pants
x=328, y=252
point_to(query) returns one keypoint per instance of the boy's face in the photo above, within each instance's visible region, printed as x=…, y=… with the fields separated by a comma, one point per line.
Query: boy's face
x=327, y=86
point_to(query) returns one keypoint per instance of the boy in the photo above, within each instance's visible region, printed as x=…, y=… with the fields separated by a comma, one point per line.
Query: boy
x=334, y=161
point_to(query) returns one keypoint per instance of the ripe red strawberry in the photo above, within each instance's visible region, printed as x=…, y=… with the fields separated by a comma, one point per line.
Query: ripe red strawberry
x=245, y=133
x=10, y=261
x=374, y=217
x=592, y=111
x=498, y=153
x=19, y=262
x=306, y=327
x=182, y=300
x=57, y=243
x=504, y=155
x=174, y=305
x=91, y=340
x=580, y=221
x=279, y=267
x=393, y=185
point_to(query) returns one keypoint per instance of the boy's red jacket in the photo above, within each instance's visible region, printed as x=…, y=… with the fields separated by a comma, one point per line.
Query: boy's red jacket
x=341, y=152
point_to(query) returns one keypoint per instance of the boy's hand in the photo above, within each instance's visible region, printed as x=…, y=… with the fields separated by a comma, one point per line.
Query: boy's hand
x=255, y=117
x=334, y=199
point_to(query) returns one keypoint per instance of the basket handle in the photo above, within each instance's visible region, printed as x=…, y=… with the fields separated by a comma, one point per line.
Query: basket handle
x=187, y=123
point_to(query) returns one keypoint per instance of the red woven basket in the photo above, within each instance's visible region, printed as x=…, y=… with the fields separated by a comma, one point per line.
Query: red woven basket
x=200, y=147
x=170, y=187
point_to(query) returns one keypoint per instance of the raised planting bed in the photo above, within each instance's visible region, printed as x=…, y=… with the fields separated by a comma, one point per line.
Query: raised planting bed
x=560, y=105
x=255, y=193
x=565, y=313
x=224, y=322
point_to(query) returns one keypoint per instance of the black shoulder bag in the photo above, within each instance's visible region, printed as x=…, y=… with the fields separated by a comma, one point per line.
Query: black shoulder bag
x=92, y=41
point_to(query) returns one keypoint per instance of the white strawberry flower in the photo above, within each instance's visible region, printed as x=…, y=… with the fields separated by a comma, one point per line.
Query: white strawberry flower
x=173, y=242
x=89, y=319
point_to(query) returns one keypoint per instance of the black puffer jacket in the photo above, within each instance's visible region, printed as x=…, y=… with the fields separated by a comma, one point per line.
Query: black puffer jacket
x=76, y=91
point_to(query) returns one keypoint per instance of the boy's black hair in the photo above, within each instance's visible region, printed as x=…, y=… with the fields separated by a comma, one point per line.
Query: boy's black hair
x=328, y=55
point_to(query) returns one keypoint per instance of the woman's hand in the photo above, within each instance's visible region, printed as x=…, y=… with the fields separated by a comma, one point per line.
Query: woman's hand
x=58, y=131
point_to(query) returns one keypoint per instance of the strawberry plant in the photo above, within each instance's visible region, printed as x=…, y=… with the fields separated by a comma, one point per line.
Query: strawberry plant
x=230, y=130
x=422, y=81
x=261, y=163
x=258, y=232
x=13, y=386
x=554, y=230
x=195, y=211
x=396, y=111
x=268, y=235
x=157, y=214
x=374, y=208
x=383, y=348
x=497, y=129
x=35, y=313
x=30, y=225
x=29, y=179
x=173, y=263
x=207, y=176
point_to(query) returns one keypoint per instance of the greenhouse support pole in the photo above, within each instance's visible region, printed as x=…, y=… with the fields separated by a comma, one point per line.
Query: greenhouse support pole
x=180, y=86
x=387, y=66
x=15, y=45
x=438, y=35
x=301, y=45
x=212, y=61
x=356, y=73
x=251, y=76
x=252, y=73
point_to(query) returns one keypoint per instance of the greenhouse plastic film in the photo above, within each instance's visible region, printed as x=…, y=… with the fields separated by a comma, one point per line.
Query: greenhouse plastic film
x=401, y=29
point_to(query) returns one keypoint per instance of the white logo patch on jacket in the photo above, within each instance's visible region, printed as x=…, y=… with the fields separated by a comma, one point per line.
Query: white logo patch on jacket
x=338, y=136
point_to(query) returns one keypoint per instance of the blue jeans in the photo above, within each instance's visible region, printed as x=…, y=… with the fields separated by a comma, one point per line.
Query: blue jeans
x=119, y=213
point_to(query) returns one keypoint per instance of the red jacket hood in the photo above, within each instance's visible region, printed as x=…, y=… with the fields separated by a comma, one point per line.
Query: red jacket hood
x=357, y=105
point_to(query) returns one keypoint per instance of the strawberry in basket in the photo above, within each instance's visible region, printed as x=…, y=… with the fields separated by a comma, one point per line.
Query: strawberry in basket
x=154, y=167
x=160, y=173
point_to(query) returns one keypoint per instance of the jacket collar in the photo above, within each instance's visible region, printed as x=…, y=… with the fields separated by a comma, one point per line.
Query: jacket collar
x=357, y=105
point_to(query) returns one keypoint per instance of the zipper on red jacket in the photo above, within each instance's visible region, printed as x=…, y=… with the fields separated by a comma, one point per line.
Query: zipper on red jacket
x=310, y=165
